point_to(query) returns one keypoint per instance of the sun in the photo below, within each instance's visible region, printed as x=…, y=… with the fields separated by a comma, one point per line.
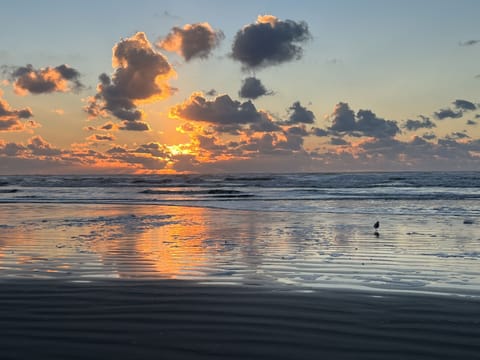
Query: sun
x=180, y=149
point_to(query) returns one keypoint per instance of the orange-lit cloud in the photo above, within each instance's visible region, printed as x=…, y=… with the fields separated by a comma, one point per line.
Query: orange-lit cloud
x=192, y=41
x=141, y=76
x=10, y=119
x=61, y=78
x=226, y=114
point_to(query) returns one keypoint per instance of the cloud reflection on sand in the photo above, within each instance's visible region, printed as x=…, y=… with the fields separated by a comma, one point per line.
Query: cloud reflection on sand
x=88, y=242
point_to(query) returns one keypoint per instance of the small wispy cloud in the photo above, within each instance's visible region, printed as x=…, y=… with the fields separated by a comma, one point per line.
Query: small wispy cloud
x=469, y=42
x=59, y=112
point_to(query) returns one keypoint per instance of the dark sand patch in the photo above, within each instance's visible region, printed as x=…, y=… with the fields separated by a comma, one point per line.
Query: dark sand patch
x=47, y=319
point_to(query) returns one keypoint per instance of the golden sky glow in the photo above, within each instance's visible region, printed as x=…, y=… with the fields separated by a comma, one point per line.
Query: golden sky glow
x=259, y=87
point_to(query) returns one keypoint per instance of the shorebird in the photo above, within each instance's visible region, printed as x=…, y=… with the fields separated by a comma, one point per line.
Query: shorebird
x=376, y=226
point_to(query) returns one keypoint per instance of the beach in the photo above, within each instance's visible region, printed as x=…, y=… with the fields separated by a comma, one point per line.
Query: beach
x=51, y=319
x=99, y=281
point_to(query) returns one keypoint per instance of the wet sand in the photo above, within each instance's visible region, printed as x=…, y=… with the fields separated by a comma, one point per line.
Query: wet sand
x=157, y=282
x=53, y=319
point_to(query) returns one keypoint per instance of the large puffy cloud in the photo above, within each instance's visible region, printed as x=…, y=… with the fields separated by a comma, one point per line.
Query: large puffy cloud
x=300, y=115
x=140, y=76
x=364, y=123
x=423, y=123
x=269, y=41
x=221, y=111
x=192, y=41
x=253, y=88
x=343, y=118
x=10, y=119
x=62, y=78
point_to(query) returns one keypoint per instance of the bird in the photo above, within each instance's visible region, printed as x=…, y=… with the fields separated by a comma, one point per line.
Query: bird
x=376, y=226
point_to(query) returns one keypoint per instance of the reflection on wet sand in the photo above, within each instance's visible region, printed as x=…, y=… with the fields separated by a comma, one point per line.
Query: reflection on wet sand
x=83, y=242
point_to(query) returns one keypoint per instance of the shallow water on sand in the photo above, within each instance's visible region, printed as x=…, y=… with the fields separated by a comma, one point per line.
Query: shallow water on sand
x=219, y=246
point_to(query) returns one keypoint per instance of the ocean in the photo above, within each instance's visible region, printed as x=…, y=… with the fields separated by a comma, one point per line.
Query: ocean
x=305, y=230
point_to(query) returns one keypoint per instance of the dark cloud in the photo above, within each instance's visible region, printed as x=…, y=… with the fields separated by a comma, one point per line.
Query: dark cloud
x=10, y=119
x=338, y=141
x=101, y=137
x=370, y=125
x=297, y=130
x=269, y=41
x=464, y=105
x=424, y=123
x=265, y=124
x=62, y=78
x=154, y=149
x=253, y=88
x=192, y=41
x=364, y=123
x=343, y=118
x=448, y=113
x=140, y=76
x=220, y=111
x=300, y=115
x=457, y=135
x=469, y=42
x=471, y=122
x=134, y=126
x=429, y=136
x=319, y=132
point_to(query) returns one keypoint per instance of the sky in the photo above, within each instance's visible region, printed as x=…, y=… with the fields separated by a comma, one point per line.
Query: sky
x=209, y=86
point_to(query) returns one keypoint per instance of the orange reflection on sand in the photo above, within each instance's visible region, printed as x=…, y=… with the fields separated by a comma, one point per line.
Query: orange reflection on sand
x=175, y=249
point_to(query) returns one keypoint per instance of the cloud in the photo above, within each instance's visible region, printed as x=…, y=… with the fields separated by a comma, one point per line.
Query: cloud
x=297, y=130
x=192, y=41
x=140, y=76
x=101, y=137
x=38, y=146
x=134, y=126
x=343, y=118
x=464, y=105
x=457, y=135
x=220, y=111
x=429, y=136
x=62, y=78
x=253, y=88
x=11, y=149
x=10, y=119
x=338, y=141
x=364, y=123
x=59, y=112
x=300, y=115
x=424, y=123
x=211, y=92
x=448, y=113
x=319, y=132
x=154, y=149
x=469, y=42
x=269, y=41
